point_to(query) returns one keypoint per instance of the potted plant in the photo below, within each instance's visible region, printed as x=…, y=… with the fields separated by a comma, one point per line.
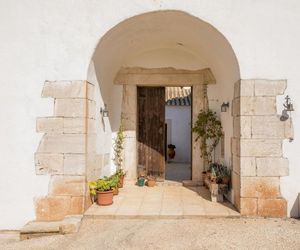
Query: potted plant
x=93, y=189
x=121, y=175
x=141, y=179
x=115, y=183
x=102, y=189
x=225, y=175
x=208, y=129
x=118, y=155
x=221, y=173
x=151, y=181
x=171, y=151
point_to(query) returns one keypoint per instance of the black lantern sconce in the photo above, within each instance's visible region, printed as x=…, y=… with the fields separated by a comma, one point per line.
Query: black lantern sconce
x=224, y=106
x=288, y=107
x=104, y=111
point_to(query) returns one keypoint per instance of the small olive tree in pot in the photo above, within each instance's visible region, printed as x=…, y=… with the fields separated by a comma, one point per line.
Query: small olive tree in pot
x=209, y=131
x=118, y=155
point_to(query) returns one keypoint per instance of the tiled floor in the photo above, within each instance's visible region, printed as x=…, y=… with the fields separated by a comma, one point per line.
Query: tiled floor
x=162, y=201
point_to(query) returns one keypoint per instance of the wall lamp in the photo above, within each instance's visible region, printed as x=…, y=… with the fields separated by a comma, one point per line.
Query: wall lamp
x=288, y=107
x=104, y=111
x=224, y=106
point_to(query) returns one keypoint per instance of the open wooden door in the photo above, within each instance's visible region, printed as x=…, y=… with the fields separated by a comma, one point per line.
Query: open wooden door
x=151, y=124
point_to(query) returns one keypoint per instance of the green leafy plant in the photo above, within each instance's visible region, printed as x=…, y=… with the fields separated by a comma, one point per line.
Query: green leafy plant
x=93, y=187
x=208, y=128
x=101, y=185
x=114, y=181
x=104, y=185
x=219, y=170
x=120, y=172
x=118, y=148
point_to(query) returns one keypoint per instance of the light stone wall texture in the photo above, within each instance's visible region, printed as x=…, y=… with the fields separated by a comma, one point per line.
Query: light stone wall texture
x=67, y=149
x=129, y=122
x=198, y=102
x=258, y=161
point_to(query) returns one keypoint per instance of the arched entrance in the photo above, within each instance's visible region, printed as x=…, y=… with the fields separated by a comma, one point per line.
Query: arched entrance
x=77, y=145
x=167, y=48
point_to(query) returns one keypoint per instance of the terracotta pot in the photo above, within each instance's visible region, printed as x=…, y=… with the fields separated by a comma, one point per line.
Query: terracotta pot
x=151, y=183
x=116, y=191
x=121, y=181
x=105, y=198
x=171, y=153
x=226, y=180
x=213, y=179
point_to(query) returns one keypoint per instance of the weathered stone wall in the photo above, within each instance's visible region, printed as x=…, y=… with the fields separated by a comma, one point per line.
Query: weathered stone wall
x=258, y=161
x=67, y=147
x=129, y=120
x=198, y=103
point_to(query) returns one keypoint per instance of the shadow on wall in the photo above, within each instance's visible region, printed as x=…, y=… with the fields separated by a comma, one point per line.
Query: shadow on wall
x=106, y=127
x=295, y=211
x=106, y=93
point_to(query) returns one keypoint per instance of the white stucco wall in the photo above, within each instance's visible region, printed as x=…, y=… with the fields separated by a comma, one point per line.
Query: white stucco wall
x=179, y=124
x=50, y=40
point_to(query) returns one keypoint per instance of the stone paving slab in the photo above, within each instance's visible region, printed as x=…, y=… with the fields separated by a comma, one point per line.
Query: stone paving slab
x=162, y=201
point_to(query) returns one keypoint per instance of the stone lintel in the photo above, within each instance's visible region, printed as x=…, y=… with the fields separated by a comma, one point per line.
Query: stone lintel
x=164, y=76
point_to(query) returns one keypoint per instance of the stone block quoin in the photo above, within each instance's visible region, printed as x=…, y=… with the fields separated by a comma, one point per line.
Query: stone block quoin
x=62, y=152
x=257, y=147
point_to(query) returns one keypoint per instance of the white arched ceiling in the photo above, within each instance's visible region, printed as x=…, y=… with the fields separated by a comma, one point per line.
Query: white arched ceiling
x=165, y=39
x=173, y=37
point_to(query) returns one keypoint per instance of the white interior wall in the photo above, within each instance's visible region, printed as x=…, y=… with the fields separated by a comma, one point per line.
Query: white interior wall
x=179, y=121
x=106, y=127
x=55, y=40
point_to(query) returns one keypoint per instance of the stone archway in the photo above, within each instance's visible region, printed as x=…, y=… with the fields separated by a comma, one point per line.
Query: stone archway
x=68, y=149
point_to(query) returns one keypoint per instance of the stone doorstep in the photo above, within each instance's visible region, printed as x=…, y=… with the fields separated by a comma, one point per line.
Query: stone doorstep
x=159, y=217
x=168, y=183
x=191, y=183
x=10, y=235
x=34, y=229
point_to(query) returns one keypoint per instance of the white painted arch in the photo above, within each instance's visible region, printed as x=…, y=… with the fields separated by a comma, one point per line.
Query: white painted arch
x=162, y=39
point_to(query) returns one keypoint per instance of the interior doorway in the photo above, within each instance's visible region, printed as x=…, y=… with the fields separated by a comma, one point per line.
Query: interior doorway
x=164, y=132
x=178, y=109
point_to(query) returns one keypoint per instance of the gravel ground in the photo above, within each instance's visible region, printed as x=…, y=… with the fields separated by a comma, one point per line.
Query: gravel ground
x=202, y=233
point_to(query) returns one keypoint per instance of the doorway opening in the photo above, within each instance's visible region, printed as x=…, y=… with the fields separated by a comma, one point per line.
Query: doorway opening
x=178, y=133
x=164, y=132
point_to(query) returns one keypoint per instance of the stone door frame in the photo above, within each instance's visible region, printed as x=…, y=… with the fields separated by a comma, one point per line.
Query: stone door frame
x=130, y=78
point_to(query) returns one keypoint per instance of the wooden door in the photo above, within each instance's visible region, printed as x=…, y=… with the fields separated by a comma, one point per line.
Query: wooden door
x=151, y=122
